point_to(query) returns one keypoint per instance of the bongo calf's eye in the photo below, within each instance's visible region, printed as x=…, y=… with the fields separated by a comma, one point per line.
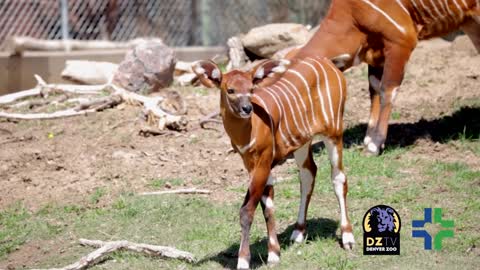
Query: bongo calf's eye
x=230, y=91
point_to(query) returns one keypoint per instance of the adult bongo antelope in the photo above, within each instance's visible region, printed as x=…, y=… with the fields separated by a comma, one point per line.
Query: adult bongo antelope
x=383, y=33
x=265, y=124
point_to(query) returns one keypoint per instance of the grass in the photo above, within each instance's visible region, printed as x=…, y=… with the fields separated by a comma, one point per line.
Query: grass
x=210, y=230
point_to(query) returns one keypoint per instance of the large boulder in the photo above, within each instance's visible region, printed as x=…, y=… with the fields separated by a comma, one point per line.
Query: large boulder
x=265, y=41
x=146, y=68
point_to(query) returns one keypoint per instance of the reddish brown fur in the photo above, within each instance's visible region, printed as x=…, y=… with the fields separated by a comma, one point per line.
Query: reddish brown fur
x=353, y=27
x=264, y=128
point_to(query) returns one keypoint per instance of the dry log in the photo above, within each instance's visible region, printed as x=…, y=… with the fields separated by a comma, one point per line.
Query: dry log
x=105, y=248
x=154, y=114
x=178, y=191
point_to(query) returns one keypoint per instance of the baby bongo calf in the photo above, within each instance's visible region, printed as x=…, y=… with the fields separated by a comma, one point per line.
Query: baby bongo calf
x=266, y=124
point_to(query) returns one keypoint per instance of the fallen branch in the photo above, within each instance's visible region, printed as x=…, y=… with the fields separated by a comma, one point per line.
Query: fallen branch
x=17, y=139
x=210, y=118
x=155, y=115
x=148, y=131
x=105, y=248
x=178, y=191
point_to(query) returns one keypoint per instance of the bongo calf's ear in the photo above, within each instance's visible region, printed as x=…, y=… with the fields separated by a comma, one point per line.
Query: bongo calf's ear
x=269, y=68
x=208, y=73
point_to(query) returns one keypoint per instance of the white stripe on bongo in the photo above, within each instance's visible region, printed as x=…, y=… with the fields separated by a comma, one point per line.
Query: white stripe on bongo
x=459, y=8
x=440, y=15
x=243, y=149
x=280, y=124
x=465, y=4
x=399, y=2
x=283, y=119
x=390, y=19
x=340, y=89
x=449, y=10
x=293, y=113
x=327, y=84
x=264, y=106
x=300, y=97
x=294, y=97
x=427, y=10
x=420, y=12
x=319, y=92
x=309, y=94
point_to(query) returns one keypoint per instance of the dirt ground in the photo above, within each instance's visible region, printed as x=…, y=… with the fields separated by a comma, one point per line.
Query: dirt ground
x=68, y=160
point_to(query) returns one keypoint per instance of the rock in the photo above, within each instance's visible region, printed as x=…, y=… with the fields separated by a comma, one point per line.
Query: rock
x=265, y=41
x=146, y=68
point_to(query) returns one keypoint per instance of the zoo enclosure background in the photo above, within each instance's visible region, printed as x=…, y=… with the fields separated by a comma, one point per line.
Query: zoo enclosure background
x=177, y=22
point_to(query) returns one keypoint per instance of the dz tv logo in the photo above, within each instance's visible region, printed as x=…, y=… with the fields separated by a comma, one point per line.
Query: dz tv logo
x=437, y=219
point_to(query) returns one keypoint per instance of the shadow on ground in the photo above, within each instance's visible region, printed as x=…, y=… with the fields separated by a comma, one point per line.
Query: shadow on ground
x=317, y=228
x=463, y=123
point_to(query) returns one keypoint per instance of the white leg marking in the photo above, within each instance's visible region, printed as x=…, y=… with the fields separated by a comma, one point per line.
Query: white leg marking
x=297, y=236
x=269, y=203
x=273, y=258
x=295, y=89
x=367, y=140
x=319, y=92
x=338, y=179
x=272, y=241
x=243, y=264
x=271, y=123
x=347, y=239
x=372, y=147
x=306, y=179
x=309, y=92
x=390, y=19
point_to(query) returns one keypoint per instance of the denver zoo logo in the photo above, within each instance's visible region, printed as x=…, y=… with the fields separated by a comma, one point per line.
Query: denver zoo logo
x=381, y=231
